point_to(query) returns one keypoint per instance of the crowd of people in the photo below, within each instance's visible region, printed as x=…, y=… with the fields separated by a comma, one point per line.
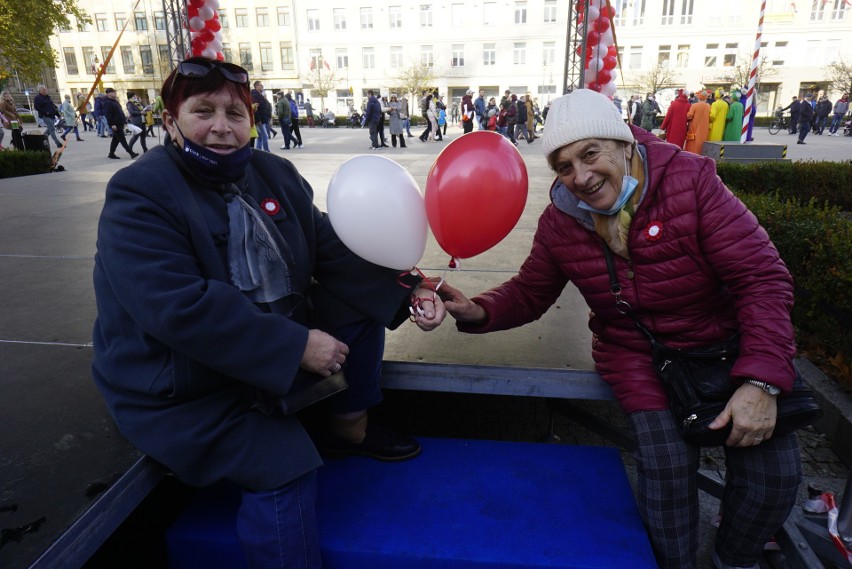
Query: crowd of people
x=812, y=114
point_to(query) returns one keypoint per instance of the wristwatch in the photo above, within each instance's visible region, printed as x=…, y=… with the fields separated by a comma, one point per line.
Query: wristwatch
x=768, y=388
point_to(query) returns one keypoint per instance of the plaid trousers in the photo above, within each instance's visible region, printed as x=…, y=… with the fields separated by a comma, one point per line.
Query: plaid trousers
x=760, y=491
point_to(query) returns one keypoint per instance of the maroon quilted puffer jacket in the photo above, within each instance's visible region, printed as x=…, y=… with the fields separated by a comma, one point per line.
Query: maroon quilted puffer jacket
x=701, y=269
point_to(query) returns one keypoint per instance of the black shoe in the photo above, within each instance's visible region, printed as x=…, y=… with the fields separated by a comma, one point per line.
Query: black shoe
x=113, y=156
x=800, y=142
x=134, y=154
x=80, y=140
x=380, y=443
x=385, y=146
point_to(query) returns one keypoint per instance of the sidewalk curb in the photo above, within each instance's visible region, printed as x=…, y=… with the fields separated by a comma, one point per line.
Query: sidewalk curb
x=836, y=421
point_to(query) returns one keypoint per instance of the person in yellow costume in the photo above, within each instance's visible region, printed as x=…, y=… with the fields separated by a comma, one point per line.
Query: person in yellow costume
x=718, y=116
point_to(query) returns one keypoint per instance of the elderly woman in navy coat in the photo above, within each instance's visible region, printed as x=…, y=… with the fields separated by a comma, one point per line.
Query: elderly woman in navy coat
x=218, y=282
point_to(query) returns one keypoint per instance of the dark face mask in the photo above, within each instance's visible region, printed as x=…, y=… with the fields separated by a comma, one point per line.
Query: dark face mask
x=214, y=167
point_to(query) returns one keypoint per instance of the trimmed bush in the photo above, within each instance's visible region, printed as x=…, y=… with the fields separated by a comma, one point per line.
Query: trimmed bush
x=815, y=241
x=800, y=181
x=23, y=163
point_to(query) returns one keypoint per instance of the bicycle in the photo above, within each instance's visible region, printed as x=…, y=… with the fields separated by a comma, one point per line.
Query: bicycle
x=778, y=123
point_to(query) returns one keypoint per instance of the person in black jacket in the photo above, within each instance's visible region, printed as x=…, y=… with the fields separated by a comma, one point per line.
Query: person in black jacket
x=48, y=112
x=135, y=110
x=823, y=109
x=117, y=121
x=806, y=114
x=794, y=108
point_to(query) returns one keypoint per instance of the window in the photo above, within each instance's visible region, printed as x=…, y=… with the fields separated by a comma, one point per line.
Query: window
x=101, y=22
x=223, y=19
x=313, y=20
x=457, y=15
x=283, y=16
x=165, y=57
x=489, y=11
x=711, y=55
x=241, y=17
x=127, y=62
x=140, y=21
x=734, y=13
x=818, y=10
x=104, y=52
x=70, y=61
x=832, y=51
x=339, y=19
x=664, y=55
x=159, y=21
x=368, y=58
x=779, y=54
x=812, y=51
x=396, y=56
x=88, y=60
x=686, y=12
x=425, y=15
x=65, y=27
x=226, y=51
x=286, y=49
x=837, y=9
x=683, y=55
x=84, y=26
x=546, y=90
x=458, y=55
x=426, y=56
x=245, y=56
x=265, y=56
x=366, y=18
x=262, y=17
x=395, y=15
x=730, y=56
x=489, y=54
x=621, y=12
x=520, y=12
x=549, y=11
x=548, y=53
x=120, y=20
x=635, y=61
x=668, y=12
x=342, y=57
x=637, y=13
x=315, y=58
x=519, y=53
x=146, y=57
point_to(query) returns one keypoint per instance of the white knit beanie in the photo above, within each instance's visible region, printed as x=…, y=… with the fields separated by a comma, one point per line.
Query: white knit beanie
x=580, y=115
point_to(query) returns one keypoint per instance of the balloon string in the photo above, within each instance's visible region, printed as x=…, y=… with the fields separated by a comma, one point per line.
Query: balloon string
x=430, y=285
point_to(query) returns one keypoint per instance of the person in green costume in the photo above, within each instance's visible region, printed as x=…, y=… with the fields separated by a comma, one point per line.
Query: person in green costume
x=734, y=119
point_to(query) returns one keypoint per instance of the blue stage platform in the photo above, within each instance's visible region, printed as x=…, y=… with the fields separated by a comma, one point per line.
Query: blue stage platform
x=461, y=504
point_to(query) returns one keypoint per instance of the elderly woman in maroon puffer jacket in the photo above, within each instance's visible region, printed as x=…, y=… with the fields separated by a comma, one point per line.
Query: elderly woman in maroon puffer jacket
x=696, y=267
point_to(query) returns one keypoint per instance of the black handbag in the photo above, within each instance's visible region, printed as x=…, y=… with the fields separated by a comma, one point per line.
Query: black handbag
x=698, y=382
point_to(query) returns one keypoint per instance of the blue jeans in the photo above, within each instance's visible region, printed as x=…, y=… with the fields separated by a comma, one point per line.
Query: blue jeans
x=50, y=130
x=103, y=127
x=262, y=142
x=835, y=123
x=277, y=528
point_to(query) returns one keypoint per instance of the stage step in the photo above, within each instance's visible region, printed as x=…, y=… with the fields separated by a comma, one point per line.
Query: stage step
x=461, y=504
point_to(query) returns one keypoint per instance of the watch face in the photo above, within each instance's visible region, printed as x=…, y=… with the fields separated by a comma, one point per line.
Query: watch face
x=772, y=390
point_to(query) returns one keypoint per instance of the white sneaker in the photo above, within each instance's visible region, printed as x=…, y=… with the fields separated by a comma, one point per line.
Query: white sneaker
x=720, y=565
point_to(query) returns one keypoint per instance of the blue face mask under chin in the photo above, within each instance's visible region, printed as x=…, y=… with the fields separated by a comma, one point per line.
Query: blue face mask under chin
x=628, y=187
x=212, y=166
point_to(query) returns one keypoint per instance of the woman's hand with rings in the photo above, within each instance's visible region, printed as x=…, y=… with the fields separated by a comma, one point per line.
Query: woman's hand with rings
x=324, y=354
x=752, y=412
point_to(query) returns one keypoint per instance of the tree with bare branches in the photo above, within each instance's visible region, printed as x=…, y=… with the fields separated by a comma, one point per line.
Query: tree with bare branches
x=839, y=74
x=655, y=79
x=414, y=79
x=322, y=79
x=738, y=75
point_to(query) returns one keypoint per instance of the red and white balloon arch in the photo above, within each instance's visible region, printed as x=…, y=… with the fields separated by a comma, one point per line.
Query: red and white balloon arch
x=601, y=57
x=205, y=29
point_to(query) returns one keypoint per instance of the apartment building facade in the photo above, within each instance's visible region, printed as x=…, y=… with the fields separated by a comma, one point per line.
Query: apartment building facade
x=519, y=45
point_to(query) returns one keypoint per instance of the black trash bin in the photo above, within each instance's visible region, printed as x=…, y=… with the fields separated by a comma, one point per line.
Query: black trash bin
x=36, y=142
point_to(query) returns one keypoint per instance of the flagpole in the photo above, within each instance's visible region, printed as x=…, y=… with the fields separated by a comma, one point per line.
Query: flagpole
x=752, y=76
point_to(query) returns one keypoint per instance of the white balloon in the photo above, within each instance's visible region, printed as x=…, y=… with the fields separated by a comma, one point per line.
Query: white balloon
x=606, y=38
x=215, y=44
x=209, y=53
x=596, y=4
x=590, y=75
x=205, y=13
x=378, y=211
x=609, y=89
x=592, y=14
x=595, y=64
x=599, y=51
x=614, y=73
x=212, y=3
x=196, y=24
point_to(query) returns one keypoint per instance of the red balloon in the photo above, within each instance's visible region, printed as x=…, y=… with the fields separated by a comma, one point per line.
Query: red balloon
x=220, y=56
x=580, y=6
x=593, y=38
x=475, y=193
x=612, y=50
x=191, y=12
x=601, y=25
x=594, y=86
x=610, y=62
x=196, y=3
x=198, y=44
x=604, y=76
x=581, y=18
x=579, y=49
x=608, y=11
x=213, y=25
x=207, y=35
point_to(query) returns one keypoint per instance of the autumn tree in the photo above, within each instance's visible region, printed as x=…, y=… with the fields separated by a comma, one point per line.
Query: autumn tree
x=25, y=30
x=414, y=79
x=839, y=74
x=655, y=79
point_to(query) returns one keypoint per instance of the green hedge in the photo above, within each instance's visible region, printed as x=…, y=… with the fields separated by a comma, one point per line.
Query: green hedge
x=815, y=241
x=23, y=163
x=801, y=181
